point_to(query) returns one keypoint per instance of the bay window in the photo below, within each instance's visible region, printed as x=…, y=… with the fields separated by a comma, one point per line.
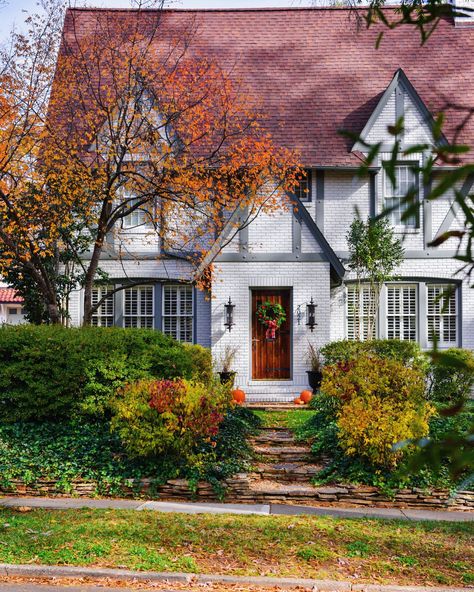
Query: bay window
x=442, y=314
x=104, y=315
x=402, y=312
x=360, y=312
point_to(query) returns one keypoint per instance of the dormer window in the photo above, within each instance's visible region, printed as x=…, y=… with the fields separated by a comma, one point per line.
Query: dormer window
x=406, y=179
x=303, y=188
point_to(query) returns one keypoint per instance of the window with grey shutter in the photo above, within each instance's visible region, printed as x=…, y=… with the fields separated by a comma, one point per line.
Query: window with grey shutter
x=178, y=311
x=402, y=312
x=104, y=315
x=138, y=307
x=442, y=314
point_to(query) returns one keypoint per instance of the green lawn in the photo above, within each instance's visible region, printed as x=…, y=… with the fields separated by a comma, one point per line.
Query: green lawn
x=311, y=546
x=292, y=419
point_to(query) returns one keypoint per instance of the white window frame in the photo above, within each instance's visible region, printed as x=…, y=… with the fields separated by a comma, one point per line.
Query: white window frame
x=144, y=320
x=100, y=316
x=403, y=315
x=303, y=189
x=178, y=316
x=138, y=220
x=392, y=193
x=363, y=313
x=443, y=315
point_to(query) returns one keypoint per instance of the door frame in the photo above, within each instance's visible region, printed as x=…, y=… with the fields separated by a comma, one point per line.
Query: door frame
x=290, y=319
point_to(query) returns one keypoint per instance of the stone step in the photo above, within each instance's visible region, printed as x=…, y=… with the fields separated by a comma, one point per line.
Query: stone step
x=283, y=453
x=286, y=472
x=272, y=490
x=274, y=438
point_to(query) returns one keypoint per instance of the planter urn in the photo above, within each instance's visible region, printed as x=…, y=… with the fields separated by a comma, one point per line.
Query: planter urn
x=315, y=378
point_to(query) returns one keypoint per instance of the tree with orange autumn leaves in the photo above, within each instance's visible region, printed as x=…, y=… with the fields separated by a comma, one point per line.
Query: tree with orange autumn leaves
x=137, y=122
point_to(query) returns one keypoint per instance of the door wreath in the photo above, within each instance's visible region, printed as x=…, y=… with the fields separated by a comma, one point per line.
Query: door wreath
x=272, y=315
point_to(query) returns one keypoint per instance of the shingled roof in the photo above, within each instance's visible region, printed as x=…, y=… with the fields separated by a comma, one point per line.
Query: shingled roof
x=9, y=296
x=316, y=71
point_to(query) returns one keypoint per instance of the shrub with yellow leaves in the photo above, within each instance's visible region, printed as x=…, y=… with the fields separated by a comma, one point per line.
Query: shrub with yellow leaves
x=380, y=403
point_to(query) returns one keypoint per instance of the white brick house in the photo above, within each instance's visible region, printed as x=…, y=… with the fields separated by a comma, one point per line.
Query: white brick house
x=319, y=73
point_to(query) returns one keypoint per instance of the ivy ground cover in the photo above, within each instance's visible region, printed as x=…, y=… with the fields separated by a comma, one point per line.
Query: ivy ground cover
x=360, y=550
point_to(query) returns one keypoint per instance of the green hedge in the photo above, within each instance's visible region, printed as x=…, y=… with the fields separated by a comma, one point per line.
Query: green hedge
x=407, y=352
x=55, y=372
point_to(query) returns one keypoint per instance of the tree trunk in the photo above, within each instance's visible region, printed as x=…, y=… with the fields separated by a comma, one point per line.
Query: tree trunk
x=89, y=283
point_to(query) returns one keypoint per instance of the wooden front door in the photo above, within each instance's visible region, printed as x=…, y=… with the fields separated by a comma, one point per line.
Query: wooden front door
x=271, y=359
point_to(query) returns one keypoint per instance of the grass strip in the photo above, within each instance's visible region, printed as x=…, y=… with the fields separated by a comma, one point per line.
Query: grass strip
x=362, y=550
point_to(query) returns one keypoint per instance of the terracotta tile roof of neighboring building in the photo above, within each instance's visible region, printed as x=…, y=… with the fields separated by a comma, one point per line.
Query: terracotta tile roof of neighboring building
x=9, y=296
x=317, y=71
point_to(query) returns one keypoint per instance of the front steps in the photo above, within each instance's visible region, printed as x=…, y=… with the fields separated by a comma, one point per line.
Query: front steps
x=283, y=467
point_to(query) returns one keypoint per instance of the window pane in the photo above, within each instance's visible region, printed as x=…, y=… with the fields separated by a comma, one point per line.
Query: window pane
x=402, y=312
x=360, y=309
x=104, y=315
x=138, y=307
x=442, y=315
x=178, y=312
x=405, y=180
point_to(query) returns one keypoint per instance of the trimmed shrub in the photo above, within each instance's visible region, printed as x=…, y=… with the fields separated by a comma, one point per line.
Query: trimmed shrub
x=55, y=372
x=408, y=353
x=154, y=417
x=452, y=377
x=379, y=403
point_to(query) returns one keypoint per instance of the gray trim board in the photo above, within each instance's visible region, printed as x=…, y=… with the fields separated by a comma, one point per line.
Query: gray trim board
x=453, y=210
x=158, y=303
x=373, y=194
x=320, y=199
x=244, y=234
x=427, y=210
x=421, y=254
x=296, y=235
x=269, y=257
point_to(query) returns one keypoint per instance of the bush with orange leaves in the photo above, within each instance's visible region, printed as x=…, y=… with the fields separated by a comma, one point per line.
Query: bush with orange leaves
x=155, y=417
x=380, y=403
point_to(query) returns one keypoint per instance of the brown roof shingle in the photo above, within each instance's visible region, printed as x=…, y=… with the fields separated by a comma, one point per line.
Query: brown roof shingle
x=316, y=71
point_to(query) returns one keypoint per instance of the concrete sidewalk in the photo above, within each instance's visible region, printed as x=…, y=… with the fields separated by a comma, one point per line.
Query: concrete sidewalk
x=148, y=577
x=63, y=503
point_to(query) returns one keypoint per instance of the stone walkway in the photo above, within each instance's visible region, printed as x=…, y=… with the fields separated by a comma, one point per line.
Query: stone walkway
x=64, y=503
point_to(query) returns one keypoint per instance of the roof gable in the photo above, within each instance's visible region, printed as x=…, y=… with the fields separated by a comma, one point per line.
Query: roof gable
x=399, y=100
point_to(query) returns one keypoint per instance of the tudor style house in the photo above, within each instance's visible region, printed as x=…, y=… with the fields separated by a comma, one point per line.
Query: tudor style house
x=316, y=72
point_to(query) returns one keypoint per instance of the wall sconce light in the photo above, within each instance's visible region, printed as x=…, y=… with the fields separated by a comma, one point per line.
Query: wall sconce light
x=311, y=315
x=229, y=315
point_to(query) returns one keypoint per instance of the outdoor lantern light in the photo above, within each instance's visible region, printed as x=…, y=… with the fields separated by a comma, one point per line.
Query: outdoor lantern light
x=229, y=315
x=311, y=315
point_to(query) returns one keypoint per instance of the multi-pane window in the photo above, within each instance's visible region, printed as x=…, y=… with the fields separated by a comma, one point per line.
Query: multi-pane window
x=402, y=312
x=138, y=307
x=178, y=312
x=104, y=315
x=360, y=313
x=303, y=188
x=442, y=314
x=394, y=195
x=137, y=217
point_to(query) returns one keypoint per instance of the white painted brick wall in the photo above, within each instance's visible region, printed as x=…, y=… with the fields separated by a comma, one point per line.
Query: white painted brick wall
x=236, y=280
x=271, y=233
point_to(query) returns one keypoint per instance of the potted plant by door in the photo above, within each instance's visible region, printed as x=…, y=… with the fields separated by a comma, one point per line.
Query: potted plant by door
x=315, y=375
x=226, y=374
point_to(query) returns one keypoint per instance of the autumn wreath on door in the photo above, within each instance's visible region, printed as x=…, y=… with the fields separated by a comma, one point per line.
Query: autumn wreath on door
x=272, y=315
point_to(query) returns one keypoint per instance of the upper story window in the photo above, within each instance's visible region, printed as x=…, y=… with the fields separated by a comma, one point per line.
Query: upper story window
x=138, y=217
x=303, y=188
x=138, y=308
x=394, y=196
x=442, y=314
x=104, y=315
x=178, y=309
x=360, y=308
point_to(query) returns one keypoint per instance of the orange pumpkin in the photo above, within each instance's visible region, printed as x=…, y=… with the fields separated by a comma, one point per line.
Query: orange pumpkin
x=238, y=396
x=298, y=401
x=306, y=396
